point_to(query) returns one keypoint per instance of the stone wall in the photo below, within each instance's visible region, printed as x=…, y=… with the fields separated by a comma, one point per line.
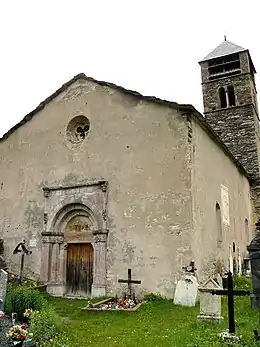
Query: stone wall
x=237, y=127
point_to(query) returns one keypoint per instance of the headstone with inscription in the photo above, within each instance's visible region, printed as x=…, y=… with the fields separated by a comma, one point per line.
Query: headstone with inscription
x=3, y=287
x=210, y=305
x=186, y=291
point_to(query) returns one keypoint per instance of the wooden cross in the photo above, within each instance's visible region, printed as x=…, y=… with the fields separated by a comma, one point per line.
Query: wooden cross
x=230, y=293
x=129, y=281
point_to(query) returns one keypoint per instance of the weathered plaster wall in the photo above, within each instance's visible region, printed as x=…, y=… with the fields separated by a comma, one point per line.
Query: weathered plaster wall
x=211, y=169
x=139, y=147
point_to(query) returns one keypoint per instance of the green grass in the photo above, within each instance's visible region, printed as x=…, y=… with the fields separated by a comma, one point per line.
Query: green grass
x=156, y=324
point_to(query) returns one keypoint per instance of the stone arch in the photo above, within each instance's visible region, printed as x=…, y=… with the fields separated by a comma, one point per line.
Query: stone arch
x=70, y=211
x=57, y=238
x=67, y=205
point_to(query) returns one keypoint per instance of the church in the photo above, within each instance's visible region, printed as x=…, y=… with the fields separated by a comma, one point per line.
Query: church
x=99, y=179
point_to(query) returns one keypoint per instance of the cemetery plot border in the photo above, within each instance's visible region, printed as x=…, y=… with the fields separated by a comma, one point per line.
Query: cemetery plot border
x=109, y=305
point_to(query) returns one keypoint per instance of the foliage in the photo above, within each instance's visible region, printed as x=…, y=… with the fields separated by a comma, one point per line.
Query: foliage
x=153, y=297
x=44, y=325
x=158, y=323
x=242, y=282
x=20, y=298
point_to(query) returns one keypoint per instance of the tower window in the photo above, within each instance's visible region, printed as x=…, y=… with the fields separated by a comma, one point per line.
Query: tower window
x=224, y=66
x=222, y=97
x=231, y=96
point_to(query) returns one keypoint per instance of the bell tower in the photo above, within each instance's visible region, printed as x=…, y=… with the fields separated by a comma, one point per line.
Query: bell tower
x=230, y=105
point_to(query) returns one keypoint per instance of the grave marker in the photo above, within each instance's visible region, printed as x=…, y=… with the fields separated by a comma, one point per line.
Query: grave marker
x=129, y=282
x=254, y=256
x=3, y=287
x=20, y=248
x=186, y=291
x=210, y=306
x=230, y=293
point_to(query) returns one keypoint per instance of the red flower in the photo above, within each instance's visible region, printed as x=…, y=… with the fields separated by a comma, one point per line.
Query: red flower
x=24, y=326
x=22, y=337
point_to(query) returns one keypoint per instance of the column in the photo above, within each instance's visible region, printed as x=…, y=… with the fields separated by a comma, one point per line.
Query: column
x=62, y=260
x=54, y=263
x=44, y=259
x=100, y=277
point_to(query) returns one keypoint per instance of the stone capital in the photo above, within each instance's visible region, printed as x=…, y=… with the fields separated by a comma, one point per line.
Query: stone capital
x=101, y=237
x=52, y=238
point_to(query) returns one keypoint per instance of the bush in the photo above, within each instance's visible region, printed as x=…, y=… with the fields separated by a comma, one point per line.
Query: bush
x=18, y=299
x=45, y=325
x=242, y=282
x=153, y=297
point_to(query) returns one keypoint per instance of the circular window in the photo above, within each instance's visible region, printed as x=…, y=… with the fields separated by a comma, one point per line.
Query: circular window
x=78, y=129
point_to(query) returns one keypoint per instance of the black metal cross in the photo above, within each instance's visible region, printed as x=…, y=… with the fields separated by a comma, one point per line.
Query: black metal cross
x=230, y=293
x=21, y=248
x=129, y=281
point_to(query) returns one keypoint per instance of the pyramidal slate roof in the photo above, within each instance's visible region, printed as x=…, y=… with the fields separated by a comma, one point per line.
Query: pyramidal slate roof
x=225, y=48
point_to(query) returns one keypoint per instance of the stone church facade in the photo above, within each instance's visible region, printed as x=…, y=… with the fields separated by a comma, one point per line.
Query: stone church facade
x=98, y=179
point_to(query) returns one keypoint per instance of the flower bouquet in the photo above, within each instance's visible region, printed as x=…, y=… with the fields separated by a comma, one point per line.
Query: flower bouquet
x=122, y=304
x=19, y=334
x=230, y=339
x=125, y=304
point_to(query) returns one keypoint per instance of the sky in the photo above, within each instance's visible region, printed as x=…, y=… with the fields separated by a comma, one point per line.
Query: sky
x=152, y=46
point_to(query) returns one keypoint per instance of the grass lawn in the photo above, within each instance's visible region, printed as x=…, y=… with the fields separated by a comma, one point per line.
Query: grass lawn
x=157, y=323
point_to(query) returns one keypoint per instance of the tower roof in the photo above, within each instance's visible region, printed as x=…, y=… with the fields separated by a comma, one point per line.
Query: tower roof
x=225, y=48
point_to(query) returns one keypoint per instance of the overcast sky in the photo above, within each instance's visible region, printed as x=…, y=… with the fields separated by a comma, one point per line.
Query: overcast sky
x=150, y=46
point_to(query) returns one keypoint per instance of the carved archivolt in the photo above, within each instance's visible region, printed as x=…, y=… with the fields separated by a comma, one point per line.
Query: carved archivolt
x=70, y=212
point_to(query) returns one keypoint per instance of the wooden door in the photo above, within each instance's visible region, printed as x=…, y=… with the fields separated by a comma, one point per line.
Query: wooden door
x=79, y=268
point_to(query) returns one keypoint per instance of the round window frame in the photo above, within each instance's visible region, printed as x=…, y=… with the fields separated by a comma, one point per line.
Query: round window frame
x=71, y=130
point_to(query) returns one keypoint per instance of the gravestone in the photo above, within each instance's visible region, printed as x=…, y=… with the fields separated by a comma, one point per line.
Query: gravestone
x=254, y=255
x=210, y=305
x=3, y=287
x=3, y=263
x=186, y=291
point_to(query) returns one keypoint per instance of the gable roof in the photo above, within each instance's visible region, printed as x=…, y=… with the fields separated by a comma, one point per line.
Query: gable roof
x=183, y=108
x=225, y=48
x=82, y=76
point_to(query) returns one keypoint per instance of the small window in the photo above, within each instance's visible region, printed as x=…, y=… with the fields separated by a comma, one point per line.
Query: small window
x=222, y=97
x=218, y=225
x=247, y=230
x=231, y=96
